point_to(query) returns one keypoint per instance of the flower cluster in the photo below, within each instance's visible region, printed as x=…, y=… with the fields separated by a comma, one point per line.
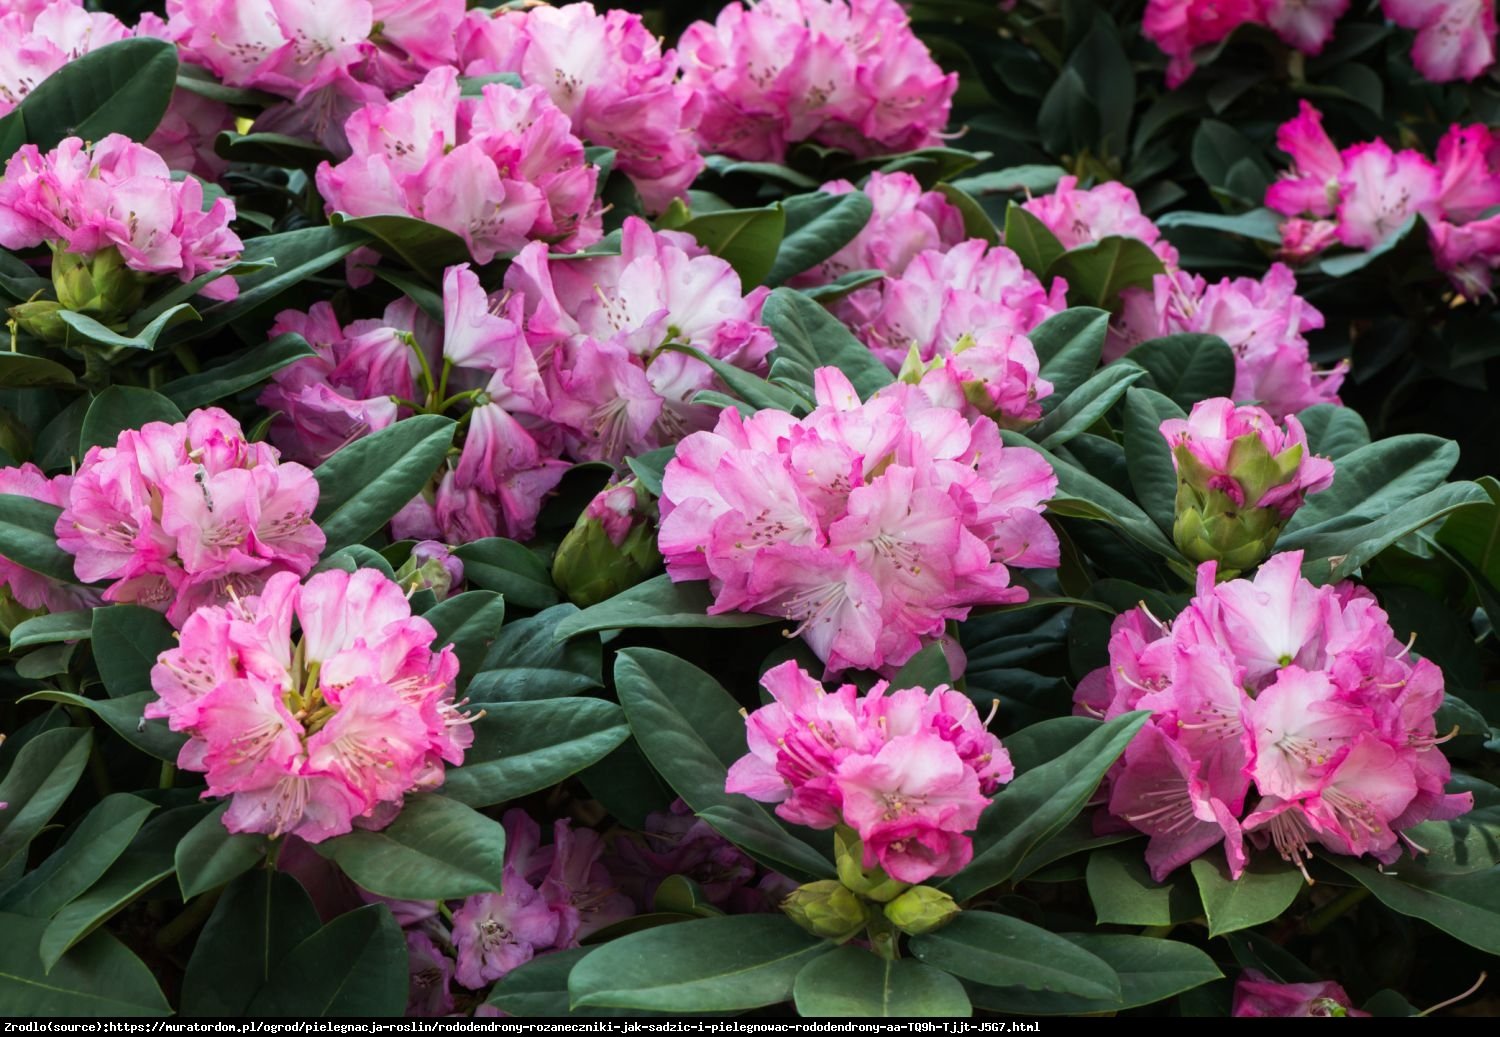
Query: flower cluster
x=1263, y=321
x=597, y=325
x=1360, y=196
x=114, y=202
x=842, y=73
x=1239, y=479
x=869, y=524
x=311, y=735
x=33, y=590
x=551, y=897
x=910, y=770
x=1257, y=996
x=498, y=169
x=1284, y=713
x=1179, y=27
x=609, y=75
x=191, y=514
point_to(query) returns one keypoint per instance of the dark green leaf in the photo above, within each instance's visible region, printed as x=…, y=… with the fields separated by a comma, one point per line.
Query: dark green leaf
x=1465, y=905
x=51, y=628
x=270, y=149
x=977, y=222
x=817, y=226
x=690, y=729
x=363, y=485
x=250, y=367
x=122, y=407
x=127, y=639
x=99, y=978
x=1068, y=346
x=100, y=838
x=1148, y=458
x=469, y=622
x=297, y=255
x=708, y=965
x=1098, y=272
x=124, y=715
x=1186, y=368
x=436, y=849
x=210, y=855
x=658, y=602
x=513, y=569
x=1031, y=240
x=745, y=238
x=1262, y=893
x=1084, y=406
x=527, y=662
x=853, y=982
x=256, y=923
x=1001, y=951
x=123, y=87
x=809, y=337
x=83, y=329
x=355, y=965
x=524, y=747
x=1124, y=893
x=1038, y=803
x=23, y=371
x=425, y=247
x=42, y=776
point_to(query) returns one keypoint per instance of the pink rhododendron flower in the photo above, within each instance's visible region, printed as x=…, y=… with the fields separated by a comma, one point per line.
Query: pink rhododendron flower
x=43, y=37
x=1257, y=996
x=1212, y=439
x=309, y=736
x=1304, y=24
x=609, y=75
x=430, y=993
x=597, y=325
x=189, y=514
x=1455, y=38
x=869, y=524
x=32, y=590
x=117, y=195
x=843, y=73
x=907, y=221
x=1381, y=189
x=1285, y=716
x=1180, y=27
x=1312, y=186
x=675, y=842
x=499, y=170
x=909, y=770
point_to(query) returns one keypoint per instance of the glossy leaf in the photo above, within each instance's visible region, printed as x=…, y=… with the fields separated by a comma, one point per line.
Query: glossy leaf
x=523, y=747
x=998, y=950
x=363, y=485
x=436, y=849
x=854, y=982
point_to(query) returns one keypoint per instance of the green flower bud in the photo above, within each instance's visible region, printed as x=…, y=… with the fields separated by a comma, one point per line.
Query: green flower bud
x=39, y=318
x=921, y=909
x=827, y=909
x=100, y=285
x=611, y=548
x=873, y=883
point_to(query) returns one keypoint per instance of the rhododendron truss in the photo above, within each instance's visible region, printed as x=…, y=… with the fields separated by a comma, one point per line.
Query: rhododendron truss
x=312, y=734
x=1285, y=716
x=870, y=525
x=179, y=516
x=909, y=770
x=498, y=169
x=609, y=75
x=113, y=216
x=847, y=74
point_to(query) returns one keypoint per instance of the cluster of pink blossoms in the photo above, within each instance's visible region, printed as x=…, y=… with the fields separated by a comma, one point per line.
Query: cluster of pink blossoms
x=185, y=515
x=1360, y=196
x=564, y=365
x=117, y=194
x=328, y=58
x=1284, y=713
x=1264, y=321
x=963, y=306
x=843, y=73
x=609, y=75
x=1455, y=39
x=499, y=170
x=869, y=524
x=311, y=735
x=32, y=589
x=909, y=770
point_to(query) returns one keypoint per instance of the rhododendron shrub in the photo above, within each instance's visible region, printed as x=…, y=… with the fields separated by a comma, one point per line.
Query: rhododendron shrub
x=793, y=507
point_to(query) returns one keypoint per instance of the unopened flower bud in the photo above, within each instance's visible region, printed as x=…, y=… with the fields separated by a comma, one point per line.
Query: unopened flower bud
x=611, y=548
x=1240, y=477
x=432, y=566
x=872, y=883
x=921, y=909
x=100, y=285
x=828, y=909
